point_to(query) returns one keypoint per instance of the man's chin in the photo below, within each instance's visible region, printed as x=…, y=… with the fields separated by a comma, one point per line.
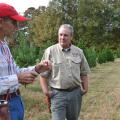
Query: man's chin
x=64, y=45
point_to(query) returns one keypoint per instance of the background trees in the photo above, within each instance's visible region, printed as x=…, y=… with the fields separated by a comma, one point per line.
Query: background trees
x=96, y=24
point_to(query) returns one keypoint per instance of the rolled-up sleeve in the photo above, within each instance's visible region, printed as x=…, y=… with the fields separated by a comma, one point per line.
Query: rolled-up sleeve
x=84, y=67
x=46, y=56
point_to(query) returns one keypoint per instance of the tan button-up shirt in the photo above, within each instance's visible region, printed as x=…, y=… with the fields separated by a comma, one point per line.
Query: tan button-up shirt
x=67, y=66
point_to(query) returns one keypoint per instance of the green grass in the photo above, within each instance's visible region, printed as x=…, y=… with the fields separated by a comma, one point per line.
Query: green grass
x=101, y=102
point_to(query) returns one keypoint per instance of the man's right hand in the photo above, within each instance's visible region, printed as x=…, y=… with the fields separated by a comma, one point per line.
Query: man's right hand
x=26, y=77
x=48, y=101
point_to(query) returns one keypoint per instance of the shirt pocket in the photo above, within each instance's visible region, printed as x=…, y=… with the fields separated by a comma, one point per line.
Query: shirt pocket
x=75, y=65
x=56, y=68
x=76, y=60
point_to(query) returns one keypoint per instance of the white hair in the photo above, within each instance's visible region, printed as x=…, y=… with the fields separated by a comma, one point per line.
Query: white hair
x=67, y=26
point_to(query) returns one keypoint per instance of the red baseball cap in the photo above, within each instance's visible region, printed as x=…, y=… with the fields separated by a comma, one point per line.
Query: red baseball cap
x=9, y=11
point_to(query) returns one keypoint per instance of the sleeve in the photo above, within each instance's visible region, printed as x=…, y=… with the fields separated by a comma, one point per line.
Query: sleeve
x=11, y=81
x=46, y=56
x=8, y=82
x=30, y=68
x=85, y=69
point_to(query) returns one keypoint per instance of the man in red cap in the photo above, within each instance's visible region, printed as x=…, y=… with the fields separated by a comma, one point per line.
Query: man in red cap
x=11, y=76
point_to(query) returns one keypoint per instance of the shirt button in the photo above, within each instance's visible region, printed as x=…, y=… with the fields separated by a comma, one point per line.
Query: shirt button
x=69, y=75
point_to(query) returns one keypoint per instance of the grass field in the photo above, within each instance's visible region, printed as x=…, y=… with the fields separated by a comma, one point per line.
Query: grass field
x=101, y=103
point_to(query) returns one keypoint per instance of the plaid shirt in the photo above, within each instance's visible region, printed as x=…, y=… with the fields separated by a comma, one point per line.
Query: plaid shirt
x=9, y=70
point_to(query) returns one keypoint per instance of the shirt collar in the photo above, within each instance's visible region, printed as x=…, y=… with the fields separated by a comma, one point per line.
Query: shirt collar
x=64, y=49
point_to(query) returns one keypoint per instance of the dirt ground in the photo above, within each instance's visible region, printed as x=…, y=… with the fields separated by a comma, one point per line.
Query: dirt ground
x=103, y=99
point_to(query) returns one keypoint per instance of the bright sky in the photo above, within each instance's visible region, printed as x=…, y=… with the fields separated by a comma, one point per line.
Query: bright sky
x=22, y=5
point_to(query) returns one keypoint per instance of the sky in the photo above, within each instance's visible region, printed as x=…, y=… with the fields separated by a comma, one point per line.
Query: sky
x=22, y=5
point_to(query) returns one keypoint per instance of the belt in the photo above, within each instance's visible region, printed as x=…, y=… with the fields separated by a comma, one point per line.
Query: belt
x=10, y=95
x=66, y=90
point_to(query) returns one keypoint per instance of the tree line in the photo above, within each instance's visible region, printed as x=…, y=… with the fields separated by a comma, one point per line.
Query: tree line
x=96, y=26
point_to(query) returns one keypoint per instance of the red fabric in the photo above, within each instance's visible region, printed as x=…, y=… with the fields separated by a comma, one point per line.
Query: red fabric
x=9, y=11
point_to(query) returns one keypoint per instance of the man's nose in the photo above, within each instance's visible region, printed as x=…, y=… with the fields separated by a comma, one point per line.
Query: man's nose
x=62, y=36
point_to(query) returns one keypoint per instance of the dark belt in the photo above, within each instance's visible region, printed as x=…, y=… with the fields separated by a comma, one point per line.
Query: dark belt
x=66, y=90
x=10, y=95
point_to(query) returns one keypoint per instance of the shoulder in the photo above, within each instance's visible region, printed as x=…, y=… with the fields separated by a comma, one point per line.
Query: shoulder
x=77, y=49
x=51, y=48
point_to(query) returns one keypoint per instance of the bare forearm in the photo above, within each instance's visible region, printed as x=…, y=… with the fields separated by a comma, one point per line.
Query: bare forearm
x=84, y=83
x=44, y=86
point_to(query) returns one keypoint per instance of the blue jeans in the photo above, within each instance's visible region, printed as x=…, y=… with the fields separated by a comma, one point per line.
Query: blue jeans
x=16, y=108
x=66, y=105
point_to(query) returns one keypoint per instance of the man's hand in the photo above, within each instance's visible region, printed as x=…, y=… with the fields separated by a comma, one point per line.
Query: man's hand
x=84, y=91
x=26, y=77
x=47, y=100
x=43, y=66
x=84, y=84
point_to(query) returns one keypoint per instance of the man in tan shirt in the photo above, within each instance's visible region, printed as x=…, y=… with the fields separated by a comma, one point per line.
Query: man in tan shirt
x=68, y=79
